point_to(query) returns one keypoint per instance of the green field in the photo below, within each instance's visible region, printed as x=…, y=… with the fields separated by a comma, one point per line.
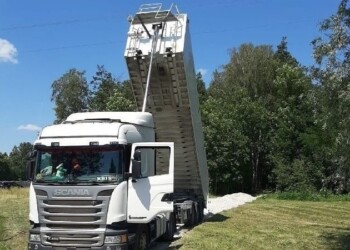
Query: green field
x=266, y=223
x=13, y=218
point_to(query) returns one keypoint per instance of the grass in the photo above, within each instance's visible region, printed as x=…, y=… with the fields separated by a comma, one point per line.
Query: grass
x=13, y=218
x=309, y=196
x=270, y=223
x=267, y=223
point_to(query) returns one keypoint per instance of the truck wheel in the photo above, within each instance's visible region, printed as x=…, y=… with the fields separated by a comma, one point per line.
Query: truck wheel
x=142, y=238
x=200, y=212
x=170, y=228
x=196, y=215
x=193, y=218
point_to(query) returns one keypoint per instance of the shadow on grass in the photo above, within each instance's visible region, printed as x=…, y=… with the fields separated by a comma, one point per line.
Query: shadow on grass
x=337, y=239
x=163, y=245
x=216, y=218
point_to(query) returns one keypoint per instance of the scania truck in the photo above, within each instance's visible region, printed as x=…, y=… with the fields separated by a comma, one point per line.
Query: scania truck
x=120, y=180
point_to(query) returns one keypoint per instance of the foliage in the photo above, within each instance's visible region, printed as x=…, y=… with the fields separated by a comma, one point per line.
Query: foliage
x=223, y=145
x=331, y=72
x=202, y=91
x=283, y=56
x=238, y=103
x=103, y=86
x=18, y=159
x=5, y=167
x=12, y=166
x=70, y=94
x=259, y=123
x=118, y=102
x=293, y=118
x=126, y=89
x=108, y=94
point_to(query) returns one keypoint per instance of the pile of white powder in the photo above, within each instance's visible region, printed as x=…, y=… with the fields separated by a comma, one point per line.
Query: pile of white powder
x=219, y=204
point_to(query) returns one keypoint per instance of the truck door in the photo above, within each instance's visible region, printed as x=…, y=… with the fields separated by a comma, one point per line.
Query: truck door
x=151, y=181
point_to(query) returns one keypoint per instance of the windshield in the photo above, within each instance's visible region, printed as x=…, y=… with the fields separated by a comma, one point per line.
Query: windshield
x=79, y=165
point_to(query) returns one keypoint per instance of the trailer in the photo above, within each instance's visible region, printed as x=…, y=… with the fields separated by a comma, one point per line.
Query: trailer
x=161, y=68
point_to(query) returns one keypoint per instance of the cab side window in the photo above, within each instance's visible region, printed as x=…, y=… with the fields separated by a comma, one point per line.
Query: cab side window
x=154, y=161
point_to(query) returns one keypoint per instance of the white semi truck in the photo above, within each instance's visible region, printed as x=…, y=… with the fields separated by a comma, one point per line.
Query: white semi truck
x=119, y=180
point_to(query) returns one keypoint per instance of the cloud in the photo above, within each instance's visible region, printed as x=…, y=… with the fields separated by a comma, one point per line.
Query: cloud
x=8, y=52
x=29, y=127
x=202, y=71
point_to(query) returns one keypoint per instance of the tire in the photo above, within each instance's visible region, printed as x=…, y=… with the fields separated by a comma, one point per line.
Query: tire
x=200, y=212
x=196, y=215
x=193, y=218
x=170, y=228
x=142, y=238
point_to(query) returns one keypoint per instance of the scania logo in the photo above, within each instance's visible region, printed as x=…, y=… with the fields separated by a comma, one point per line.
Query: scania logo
x=71, y=192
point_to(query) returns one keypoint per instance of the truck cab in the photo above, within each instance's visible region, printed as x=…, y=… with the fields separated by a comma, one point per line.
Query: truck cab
x=92, y=179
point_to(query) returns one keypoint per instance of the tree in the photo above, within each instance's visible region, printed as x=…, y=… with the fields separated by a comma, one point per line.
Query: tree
x=126, y=90
x=108, y=94
x=202, y=91
x=294, y=166
x=257, y=120
x=5, y=170
x=18, y=158
x=283, y=56
x=224, y=145
x=104, y=86
x=252, y=68
x=332, y=50
x=332, y=74
x=70, y=94
x=256, y=126
x=237, y=123
x=118, y=102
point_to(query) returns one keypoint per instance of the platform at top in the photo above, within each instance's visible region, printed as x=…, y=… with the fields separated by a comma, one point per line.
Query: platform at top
x=153, y=13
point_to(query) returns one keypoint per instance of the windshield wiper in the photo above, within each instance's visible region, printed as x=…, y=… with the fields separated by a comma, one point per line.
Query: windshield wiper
x=51, y=182
x=99, y=182
x=47, y=182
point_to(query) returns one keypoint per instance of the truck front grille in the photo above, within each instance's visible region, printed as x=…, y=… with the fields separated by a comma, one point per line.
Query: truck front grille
x=73, y=222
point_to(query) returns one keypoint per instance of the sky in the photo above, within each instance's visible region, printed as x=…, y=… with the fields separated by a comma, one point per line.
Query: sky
x=41, y=40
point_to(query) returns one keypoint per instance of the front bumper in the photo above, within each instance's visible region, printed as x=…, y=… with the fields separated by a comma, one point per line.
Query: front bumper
x=39, y=246
x=36, y=245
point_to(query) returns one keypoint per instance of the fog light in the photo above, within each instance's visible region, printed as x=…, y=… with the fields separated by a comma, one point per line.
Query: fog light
x=34, y=237
x=116, y=239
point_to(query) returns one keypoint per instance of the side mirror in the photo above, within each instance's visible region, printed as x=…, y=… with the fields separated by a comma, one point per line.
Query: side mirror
x=136, y=169
x=30, y=164
x=31, y=155
x=137, y=155
x=136, y=165
x=29, y=170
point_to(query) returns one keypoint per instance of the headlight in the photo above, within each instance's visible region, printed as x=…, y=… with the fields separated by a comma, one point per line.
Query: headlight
x=116, y=239
x=34, y=237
